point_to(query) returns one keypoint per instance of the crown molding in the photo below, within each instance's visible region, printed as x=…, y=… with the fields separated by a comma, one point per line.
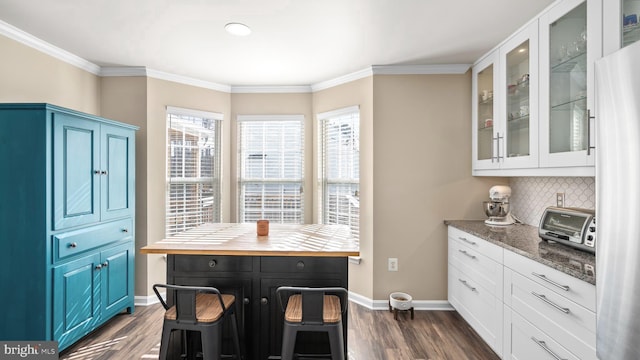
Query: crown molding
x=270, y=89
x=27, y=39
x=156, y=74
x=342, y=80
x=115, y=71
x=420, y=69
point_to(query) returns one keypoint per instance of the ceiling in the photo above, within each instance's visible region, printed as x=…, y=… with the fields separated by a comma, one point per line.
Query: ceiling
x=293, y=42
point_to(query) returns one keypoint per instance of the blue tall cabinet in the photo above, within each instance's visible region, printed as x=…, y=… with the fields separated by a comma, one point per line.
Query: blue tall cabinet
x=67, y=201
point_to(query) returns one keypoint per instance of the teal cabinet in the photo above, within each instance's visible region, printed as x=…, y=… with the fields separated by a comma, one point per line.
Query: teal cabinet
x=67, y=206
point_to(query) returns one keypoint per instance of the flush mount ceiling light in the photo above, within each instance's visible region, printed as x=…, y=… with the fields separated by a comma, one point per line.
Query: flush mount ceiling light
x=237, y=29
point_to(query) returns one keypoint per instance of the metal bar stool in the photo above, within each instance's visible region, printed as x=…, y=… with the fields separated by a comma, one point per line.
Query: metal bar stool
x=201, y=309
x=313, y=309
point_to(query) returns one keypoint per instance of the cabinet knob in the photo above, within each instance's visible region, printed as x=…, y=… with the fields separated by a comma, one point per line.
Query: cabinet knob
x=105, y=264
x=300, y=265
x=212, y=263
x=97, y=172
x=246, y=301
x=99, y=266
x=104, y=172
x=73, y=245
x=264, y=301
x=125, y=230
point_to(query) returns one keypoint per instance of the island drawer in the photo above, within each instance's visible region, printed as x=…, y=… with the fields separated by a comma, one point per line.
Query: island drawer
x=302, y=264
x=213, y=263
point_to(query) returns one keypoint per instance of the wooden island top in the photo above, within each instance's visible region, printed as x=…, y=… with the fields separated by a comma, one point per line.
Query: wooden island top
x=241, y=239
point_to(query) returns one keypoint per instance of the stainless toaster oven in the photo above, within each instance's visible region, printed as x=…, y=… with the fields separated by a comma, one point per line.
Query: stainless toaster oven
x=570, y=226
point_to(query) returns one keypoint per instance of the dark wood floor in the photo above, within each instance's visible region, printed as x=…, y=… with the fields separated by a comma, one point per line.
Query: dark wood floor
x=373, y=335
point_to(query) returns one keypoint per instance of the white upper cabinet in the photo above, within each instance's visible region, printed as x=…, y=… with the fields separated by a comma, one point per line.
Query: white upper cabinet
x=484, y=110
x=621, y=24
x=518, y=142
x=570, y=42
x=543, y=81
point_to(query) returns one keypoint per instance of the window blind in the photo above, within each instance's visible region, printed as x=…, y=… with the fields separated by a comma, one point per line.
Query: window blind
x=271, y=168
x=340, y=167
x=193, y=169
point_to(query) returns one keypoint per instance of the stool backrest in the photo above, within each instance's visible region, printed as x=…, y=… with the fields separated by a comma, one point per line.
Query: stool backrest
x=184, y=299
x=312, y=301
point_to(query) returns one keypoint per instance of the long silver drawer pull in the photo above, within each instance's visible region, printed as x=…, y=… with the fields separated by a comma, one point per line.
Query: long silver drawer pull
x=544, y=298
x=464, y=282
x=544, y=346
x=466, y=253
x=467, y=240
x=543, y=277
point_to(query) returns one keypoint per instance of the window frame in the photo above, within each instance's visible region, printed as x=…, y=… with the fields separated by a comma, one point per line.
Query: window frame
x=243, y=180
x=323, y=181
x=215, y=180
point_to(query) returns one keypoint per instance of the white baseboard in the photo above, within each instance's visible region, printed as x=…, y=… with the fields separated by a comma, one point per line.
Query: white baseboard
x=370, y=304
x=146, y=300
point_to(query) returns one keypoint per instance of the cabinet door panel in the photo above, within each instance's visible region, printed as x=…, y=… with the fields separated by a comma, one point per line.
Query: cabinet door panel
x=75, y=160
x=76, y=299
x=117, y=279
x=118, y=161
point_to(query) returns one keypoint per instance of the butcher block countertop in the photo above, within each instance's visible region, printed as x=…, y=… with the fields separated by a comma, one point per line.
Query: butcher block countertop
x=524, y=240
x=241, y=239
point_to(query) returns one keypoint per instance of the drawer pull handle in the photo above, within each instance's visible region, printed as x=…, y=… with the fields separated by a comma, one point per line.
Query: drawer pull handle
x=464, y=282
x=466, y=253
x=466, y=240
x=544, y=346
x=544, y=298
x=212, y=263
x=73, y=245
x=543, y=277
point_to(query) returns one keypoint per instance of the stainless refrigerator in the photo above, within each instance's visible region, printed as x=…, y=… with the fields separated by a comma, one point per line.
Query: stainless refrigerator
x=618, y=204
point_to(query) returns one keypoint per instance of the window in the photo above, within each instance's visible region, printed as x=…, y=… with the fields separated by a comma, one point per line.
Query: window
x=193, y=169
x=340, y=167
x=271, y=167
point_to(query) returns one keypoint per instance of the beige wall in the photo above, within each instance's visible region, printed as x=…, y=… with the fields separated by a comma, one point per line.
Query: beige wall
x=422, y=176
x=28, y=75
x=415, y=157
x=273, y=104
x=359, y=92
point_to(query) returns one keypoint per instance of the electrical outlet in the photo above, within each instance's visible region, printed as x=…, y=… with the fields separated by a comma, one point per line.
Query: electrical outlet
x=393, y=264
x=560, y=199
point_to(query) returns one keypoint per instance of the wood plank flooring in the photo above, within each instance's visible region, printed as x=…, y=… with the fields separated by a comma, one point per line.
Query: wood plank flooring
x=373, y=335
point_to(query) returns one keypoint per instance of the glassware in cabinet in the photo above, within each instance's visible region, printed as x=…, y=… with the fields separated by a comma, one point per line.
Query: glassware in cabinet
x=518, y=105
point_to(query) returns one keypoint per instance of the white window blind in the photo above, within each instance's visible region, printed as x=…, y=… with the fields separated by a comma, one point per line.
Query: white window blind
x=271, y=164
x=340, y=167
x=193, y=169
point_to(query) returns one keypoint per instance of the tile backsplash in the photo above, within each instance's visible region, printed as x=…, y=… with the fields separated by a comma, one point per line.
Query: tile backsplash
x=531, y=195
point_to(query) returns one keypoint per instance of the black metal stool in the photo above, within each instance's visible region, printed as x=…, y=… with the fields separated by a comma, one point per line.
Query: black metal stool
x=313, y=309
x=201, y=309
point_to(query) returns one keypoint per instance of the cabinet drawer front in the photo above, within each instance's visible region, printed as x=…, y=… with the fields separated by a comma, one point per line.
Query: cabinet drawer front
x=477, y=306
x=566, y=322
x=574, y=289
x=75, y=242
x=478, y=267
x=526, y=342
x=213, y=263
x=484, y=247
x=300, y=264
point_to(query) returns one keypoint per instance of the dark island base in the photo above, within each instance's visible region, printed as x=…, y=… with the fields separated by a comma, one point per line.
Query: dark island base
x=254, y=280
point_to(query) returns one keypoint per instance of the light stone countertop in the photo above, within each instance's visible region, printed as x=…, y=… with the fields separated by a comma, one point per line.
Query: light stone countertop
x=524, y=240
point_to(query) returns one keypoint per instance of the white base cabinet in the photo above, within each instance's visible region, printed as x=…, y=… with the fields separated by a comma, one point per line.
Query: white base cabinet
x=523, y=309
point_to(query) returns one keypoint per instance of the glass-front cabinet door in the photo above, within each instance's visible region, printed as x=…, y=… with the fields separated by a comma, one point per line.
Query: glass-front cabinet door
x=485, y=124
x=518, y=142
x=569, y=45
x=621, y=24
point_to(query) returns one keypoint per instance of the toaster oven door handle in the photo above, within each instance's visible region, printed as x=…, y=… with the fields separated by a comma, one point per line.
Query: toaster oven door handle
x=543, y=277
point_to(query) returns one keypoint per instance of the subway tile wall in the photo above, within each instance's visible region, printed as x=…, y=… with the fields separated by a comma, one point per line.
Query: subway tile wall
x=531, y=195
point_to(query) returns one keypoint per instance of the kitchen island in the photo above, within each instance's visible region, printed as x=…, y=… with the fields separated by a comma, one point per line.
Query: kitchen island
x=232, y=258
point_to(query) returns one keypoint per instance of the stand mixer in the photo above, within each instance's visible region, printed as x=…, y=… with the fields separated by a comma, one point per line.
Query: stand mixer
x=498, y=208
